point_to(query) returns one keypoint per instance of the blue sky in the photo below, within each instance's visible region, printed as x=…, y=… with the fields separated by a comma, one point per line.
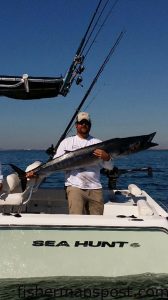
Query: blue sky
x=40, y=38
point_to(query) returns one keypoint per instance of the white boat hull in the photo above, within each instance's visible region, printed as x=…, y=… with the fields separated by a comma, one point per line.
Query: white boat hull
x=109, y=252
x=56, y=245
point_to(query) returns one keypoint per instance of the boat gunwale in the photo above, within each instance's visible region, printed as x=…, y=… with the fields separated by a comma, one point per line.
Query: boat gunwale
x=83, y=228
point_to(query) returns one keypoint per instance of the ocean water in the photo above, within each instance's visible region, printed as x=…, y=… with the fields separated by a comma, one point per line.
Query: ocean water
x=147, y=286
x=156, y=186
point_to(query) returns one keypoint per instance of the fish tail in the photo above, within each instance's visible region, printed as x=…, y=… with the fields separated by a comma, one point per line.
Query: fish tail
x=21, y=175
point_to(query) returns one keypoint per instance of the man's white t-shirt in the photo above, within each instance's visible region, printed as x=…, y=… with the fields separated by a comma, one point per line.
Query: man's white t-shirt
x=83, y=178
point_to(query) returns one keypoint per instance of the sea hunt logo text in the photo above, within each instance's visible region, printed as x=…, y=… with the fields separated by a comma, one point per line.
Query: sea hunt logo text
x=102, y=244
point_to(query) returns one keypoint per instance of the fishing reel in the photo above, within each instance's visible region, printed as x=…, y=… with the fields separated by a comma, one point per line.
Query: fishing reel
x=81, y=69
x=112, y=176
x=79, y=59
x=51, y=151
x=79, y=79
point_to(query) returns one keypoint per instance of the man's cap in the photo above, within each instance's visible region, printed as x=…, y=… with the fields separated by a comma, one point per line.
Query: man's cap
x=83, y=116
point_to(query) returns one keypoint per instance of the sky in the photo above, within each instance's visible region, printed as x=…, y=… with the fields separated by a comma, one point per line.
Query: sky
x=40, y=38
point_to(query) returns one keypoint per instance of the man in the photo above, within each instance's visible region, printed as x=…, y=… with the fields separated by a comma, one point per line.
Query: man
x=83, y=185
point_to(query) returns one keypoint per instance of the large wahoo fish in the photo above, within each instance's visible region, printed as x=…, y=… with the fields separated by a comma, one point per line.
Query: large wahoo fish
x=84, y=157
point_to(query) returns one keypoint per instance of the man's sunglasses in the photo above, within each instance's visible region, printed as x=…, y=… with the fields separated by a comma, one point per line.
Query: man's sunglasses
x=84, y=122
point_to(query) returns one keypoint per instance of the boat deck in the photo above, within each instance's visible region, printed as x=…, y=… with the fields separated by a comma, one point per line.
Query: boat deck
x=121, y=209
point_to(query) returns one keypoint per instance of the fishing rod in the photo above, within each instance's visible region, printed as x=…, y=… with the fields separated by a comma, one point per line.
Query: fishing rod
x=78, y=60
x=52, y=150
x=100, y=14
x=103, y=23
x=115, y=173
x=77, y=67
x=84, y=40
x=148, y=169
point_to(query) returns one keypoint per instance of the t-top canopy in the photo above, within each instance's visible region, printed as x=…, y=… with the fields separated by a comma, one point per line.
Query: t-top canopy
x=28, y=88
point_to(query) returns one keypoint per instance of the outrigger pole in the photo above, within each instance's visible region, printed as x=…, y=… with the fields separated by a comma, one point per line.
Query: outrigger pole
x=52, y=150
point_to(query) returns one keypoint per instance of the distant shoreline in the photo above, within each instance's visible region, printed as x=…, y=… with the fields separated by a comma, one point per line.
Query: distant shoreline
x=22, y=150
x=158, y=149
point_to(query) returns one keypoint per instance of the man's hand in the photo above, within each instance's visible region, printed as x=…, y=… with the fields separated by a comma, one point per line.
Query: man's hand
x=31, y=174
x=102, y=154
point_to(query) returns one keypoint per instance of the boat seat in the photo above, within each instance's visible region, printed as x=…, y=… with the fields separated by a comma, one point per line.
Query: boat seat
x=117, y=209
x=16, y=198
x=9, y=195
x=144, y=208
x=12, y=184
x=134, y=190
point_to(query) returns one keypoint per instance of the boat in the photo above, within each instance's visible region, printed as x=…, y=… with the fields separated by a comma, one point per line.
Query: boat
x=39, y=239
x=43, y=240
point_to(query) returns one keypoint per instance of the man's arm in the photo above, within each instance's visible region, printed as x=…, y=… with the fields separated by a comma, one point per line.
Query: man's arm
x=61, y=149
